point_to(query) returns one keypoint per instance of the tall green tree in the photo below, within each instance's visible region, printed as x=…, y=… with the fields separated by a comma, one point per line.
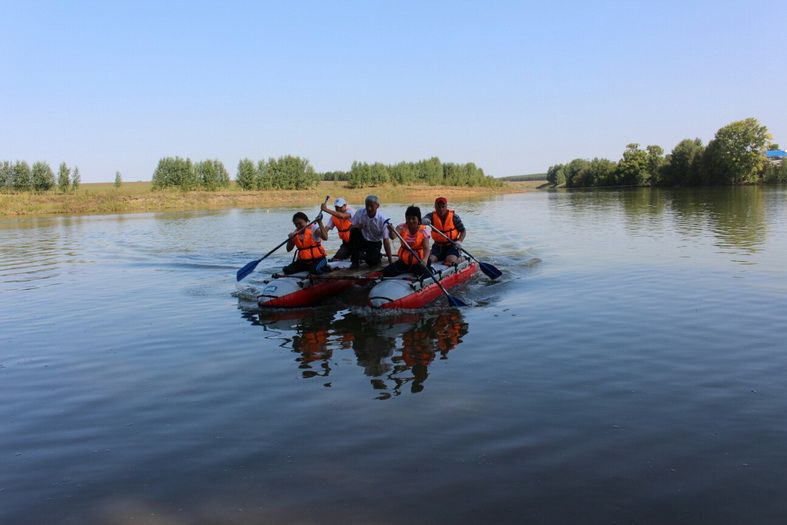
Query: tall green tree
x=212, y=175
x=63, y=177
x=175, y=172
x=633, y=168
x=22, y=177
x=76, y=180
x=246, y=175
x=737, y=153
x=42, y=176
x=684, y=164
x=118, y=180
x=656, y=162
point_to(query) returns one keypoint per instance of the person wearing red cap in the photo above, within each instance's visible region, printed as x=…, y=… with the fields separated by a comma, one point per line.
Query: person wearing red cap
x=446, y=246
x=341, y=219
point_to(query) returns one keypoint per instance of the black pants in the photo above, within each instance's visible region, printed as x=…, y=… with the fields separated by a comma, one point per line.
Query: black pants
x=361, y=248
x=399, y=267
x=304, y=265
x=343, y=252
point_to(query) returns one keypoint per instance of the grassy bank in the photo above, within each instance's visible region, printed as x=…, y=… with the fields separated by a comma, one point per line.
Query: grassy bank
x=138, y=197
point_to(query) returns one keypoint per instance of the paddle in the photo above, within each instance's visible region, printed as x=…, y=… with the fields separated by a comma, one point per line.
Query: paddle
x=246, y=270
x=453, y=301
x=489, y=270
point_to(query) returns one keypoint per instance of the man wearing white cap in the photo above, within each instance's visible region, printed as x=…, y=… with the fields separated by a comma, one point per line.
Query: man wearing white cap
x=341, y=219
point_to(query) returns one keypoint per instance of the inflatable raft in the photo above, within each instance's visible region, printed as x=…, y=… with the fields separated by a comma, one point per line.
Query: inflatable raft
x=406, y=291
x=304, y=289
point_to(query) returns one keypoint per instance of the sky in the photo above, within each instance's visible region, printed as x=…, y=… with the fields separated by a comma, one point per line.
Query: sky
x=512, y=86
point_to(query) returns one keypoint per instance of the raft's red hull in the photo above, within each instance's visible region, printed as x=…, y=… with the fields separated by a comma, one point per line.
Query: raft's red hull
x=307, y=296
x=427, y=294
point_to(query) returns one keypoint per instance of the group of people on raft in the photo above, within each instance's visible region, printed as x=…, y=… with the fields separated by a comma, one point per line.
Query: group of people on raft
x=365, y=231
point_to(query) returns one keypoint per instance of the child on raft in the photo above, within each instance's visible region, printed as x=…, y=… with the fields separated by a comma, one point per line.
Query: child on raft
x=307, y=238
x=415, y=235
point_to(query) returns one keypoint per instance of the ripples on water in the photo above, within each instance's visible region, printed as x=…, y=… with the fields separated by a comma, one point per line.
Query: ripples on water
x=629, y=367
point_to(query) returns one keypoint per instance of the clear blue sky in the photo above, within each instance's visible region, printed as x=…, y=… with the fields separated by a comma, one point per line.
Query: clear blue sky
x=512, y=86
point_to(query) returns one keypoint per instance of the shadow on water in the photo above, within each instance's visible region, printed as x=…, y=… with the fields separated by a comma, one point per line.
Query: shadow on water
x=393, y=349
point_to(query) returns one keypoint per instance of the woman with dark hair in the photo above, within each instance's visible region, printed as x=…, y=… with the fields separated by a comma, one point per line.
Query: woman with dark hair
x=307, y=238
x=414, y=235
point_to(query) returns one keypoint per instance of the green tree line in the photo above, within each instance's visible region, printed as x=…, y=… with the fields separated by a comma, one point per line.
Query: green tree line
x=285, y=173
x=736, y=155
x=185, y=175
x=19, y=176
x=431, y=172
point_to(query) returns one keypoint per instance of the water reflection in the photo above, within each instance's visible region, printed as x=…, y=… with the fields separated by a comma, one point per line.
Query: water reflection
x=394, y=351
x=736, y=217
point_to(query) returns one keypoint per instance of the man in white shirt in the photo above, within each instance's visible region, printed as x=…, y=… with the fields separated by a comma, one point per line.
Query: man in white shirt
x=368, y=233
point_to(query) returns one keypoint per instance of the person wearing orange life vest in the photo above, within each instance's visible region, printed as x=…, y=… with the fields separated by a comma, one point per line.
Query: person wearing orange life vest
x=308, y=239
x=416, y=236
x=341, y=218
x=449, y=223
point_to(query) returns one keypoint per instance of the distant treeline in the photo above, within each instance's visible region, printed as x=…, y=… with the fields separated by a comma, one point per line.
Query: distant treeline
x=431, y=172
x=523, y=178
x=736, y=155
x=19, y=176
x=284, y=173
x=175, y=172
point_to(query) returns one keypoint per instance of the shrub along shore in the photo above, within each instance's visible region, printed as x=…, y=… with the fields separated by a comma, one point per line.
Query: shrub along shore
x=139, y=197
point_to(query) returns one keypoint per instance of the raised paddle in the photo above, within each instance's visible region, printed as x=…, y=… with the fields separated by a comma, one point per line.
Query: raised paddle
x=489, y=270
x=453, y=301
x=246, y=270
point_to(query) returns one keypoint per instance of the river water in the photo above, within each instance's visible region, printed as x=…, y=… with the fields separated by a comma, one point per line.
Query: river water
x=629, y=367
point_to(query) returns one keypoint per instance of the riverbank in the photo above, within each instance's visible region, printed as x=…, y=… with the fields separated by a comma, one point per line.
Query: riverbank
x=138, y=197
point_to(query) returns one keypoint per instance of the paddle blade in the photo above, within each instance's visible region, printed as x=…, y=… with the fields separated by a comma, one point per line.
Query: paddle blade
x=246, y=270
x=455, y=301
x=489, y=270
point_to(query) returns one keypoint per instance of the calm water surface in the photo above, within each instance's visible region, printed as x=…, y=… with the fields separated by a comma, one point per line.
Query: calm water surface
x=630, y=367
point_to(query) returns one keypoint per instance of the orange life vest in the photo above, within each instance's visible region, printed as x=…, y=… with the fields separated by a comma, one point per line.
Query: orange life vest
x=343, y=227
x=414, y=241
x=446, y=226
x=308, y=247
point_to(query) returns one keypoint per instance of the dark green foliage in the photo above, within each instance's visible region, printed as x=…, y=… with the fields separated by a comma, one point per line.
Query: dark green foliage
x=736, y=155
x=683, y=166
x=42, y=177
x=556, y=175
x=246, y=177
x=63, y=177
x=577, y=174
x=633, y=168
x=118, y=180
x=22, y=178
x=76, y=179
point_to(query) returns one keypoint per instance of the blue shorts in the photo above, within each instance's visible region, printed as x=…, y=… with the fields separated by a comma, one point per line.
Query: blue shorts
x=441, y=251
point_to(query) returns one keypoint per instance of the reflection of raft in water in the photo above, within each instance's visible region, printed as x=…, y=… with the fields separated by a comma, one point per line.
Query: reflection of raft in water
x=406, y=292
x=302, y=289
